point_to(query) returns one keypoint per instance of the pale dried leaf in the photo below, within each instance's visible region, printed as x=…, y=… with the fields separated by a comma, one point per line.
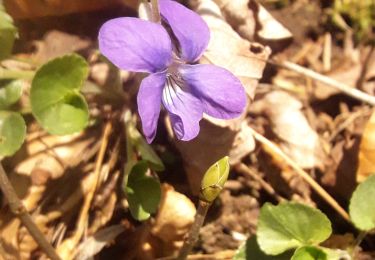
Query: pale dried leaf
x=366, y=156
x=175, y=216
x=56, y=43
x=271, y=29
x=94, y=244
x=297, y=138
x=239, y=16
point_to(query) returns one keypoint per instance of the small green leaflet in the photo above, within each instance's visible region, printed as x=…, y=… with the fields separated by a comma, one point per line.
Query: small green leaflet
x=56, y=101
x=362, y=206
x=8, y=33
x=12, y=132
x=290, y=225
x=10, y=92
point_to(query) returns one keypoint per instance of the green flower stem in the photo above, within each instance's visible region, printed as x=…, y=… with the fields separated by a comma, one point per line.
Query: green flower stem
x=19, y=210
x=192, y=237
x=155, y=11
x=16, y=74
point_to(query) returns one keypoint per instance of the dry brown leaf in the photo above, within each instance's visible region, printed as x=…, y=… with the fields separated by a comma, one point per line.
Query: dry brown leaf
x=271, y=30
x=56, y=43
x=349, y=72
x=30, y=9
x=239, y=16
x=366, y=156
x=297, y=138
x=173, y=220
x=94, y=244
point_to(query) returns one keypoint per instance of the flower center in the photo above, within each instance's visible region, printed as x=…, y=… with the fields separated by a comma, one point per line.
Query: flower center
x=174, y=83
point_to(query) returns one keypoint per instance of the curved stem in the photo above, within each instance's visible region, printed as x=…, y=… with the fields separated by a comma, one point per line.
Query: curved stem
x=19, y=210
x=155, y=11
x=194, y=230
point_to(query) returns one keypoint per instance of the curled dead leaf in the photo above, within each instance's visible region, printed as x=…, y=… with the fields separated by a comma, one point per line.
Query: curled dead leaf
x=297, y=138
x=366, y=156
x=173, y=220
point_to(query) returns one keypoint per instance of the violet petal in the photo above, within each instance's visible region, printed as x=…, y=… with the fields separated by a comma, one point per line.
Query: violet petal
x=189, y=28
x=185, y=112
x=136, y=45
x=149, y=101
x=221, y=93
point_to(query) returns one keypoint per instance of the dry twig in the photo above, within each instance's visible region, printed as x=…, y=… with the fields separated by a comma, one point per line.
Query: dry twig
x=19, y=210
x=350, y=91
x=325, y=195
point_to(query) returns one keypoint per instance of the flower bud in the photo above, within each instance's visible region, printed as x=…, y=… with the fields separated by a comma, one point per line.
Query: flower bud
x=214, y=179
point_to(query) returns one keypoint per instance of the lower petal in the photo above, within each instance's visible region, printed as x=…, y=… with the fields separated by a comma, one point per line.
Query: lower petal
x=185, y=112
x=149, y=101
x=221, y=93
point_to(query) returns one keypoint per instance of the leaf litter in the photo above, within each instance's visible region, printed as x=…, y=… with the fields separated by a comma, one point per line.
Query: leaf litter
x=323, y=131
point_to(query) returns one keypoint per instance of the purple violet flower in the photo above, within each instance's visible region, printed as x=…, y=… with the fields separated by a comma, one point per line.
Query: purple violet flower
x=186, y=91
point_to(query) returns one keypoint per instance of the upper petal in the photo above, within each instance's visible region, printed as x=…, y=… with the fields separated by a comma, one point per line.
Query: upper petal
x=185, y=112
x=189, y=28
x=136, y=45
x=149, y=101
x=221, y=93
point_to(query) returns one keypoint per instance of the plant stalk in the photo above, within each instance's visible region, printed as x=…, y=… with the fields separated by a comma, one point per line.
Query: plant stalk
x=19, y=210
x=192, y=237
x=16, y=74
x=155, y=11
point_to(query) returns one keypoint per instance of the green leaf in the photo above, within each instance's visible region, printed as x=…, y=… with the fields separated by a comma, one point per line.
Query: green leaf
x=12, y=132
x=309, y=253
x=214, y=179
x=251, y=251
x=143, y=192
x=362, y=207
x=8, y=33
x=290, y=225
x=55, y=99
x=10, y=93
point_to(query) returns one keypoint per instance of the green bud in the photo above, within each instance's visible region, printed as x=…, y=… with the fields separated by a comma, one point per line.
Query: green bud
x=214, y=179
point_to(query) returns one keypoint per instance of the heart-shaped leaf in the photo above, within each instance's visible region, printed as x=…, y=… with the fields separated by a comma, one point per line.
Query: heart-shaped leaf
x=143, y=192
x=290, y=225
x=55, y=98
x=251, y=251
x=12, y=132
x=309, y=253
x=10, y=93
x=8, y=33
x=362, y=207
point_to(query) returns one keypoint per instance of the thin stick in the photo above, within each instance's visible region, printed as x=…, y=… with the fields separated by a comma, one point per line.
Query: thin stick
x=155, y=11
x=194, y=230
x=350, y=91
x=328, y=198
x=18, y=209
